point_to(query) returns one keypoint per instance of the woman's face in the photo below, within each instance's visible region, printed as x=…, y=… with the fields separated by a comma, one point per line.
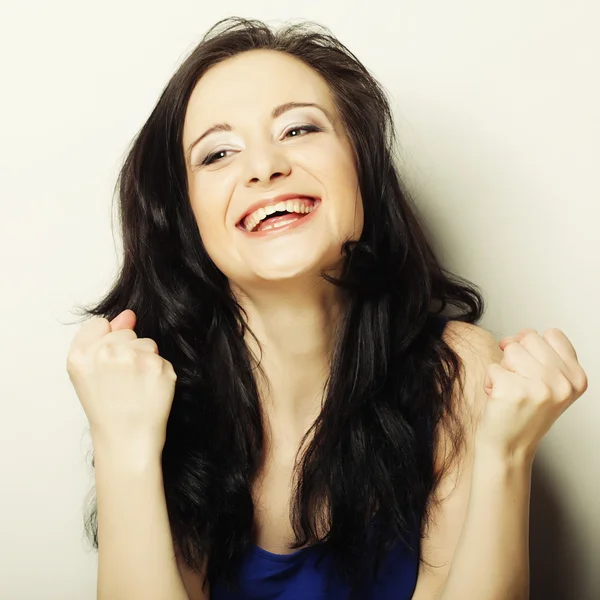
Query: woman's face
x=259, y=152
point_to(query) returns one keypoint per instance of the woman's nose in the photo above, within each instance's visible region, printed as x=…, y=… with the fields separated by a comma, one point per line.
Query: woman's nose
x=265, y=164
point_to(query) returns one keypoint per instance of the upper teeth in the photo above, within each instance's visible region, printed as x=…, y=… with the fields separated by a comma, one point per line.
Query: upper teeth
x=298, y=205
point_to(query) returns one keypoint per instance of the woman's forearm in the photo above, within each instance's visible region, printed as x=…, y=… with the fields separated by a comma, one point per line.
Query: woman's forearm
x=491, y=560
x=136, y=556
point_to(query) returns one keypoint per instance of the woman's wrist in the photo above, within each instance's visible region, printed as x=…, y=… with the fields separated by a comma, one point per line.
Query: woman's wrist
x=126, y=453
x=500, y=460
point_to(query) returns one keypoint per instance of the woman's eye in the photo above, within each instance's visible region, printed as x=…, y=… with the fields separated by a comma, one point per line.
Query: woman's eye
x=211, y=158
x=303, y=128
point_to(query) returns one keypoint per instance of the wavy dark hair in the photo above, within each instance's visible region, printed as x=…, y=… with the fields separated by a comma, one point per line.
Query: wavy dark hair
x=391, y=379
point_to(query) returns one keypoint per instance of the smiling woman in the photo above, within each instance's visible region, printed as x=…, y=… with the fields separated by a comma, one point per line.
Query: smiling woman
x=287, y=314
x=306, y=351
x=258, y=160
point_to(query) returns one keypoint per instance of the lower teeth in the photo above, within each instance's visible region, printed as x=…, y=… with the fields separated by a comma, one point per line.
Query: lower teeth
x=278, y=224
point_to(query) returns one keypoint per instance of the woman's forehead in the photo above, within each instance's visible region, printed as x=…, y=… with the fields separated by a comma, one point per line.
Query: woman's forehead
x=251, y=85
x=258, y=79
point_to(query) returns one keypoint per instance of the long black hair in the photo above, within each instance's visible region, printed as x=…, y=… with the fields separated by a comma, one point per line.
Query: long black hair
x=391, y=378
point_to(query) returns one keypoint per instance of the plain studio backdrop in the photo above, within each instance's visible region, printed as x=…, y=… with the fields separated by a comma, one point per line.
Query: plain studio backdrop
x=498, y=113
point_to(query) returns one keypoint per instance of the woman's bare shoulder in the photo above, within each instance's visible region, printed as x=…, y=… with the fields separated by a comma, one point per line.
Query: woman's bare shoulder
x=476, y=348
x=468, y=339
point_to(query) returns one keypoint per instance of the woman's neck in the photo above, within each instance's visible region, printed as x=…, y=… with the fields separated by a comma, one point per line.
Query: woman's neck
x=296, y=331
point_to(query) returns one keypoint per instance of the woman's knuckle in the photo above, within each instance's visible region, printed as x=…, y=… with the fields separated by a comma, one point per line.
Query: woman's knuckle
x=150, y=361
x=564, y=388
x=104, y=353
x=522, y=399
x=580, y=381
x=75, y=360
x=543, y=393
x=150, y=343
x=510, y=353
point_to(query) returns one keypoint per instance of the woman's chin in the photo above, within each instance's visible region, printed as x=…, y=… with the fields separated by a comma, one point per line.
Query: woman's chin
x=287, y=268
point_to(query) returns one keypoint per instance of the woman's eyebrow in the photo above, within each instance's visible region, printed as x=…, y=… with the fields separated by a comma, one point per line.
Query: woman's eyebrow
x=276, y=112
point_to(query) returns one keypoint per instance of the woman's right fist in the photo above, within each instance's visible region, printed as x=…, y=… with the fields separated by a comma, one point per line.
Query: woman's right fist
x=125, y=388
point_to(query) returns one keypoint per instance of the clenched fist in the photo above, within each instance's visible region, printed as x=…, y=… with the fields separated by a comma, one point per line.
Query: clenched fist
x=538, y=378
x=125, y=387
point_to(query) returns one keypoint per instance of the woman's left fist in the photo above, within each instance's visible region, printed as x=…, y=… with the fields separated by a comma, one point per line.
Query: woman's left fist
x=538, y=378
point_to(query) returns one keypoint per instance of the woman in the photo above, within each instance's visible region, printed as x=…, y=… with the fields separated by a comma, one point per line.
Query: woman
x=277, y=408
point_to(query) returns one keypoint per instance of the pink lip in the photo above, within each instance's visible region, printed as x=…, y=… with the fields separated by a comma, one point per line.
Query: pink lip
x=266, y=201
x=297, y=223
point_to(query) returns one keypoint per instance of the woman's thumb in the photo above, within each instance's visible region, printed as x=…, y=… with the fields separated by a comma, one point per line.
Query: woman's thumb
x=124, y=320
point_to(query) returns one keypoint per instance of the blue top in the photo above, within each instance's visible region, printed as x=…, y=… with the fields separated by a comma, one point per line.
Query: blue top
x=268, y=576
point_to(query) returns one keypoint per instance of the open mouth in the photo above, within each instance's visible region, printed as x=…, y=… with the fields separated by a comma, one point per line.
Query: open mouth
x=278, y=215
